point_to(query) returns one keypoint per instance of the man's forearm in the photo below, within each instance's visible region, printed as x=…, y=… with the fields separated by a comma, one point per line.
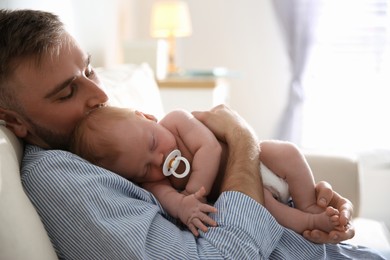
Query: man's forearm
x=243, y=167
x=242, y=171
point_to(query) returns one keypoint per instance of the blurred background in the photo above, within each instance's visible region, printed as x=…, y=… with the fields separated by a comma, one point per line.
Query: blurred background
x=313, y=72
x=243, y=36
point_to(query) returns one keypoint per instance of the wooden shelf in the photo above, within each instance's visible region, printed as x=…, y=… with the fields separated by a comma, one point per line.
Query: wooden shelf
x=187, y=83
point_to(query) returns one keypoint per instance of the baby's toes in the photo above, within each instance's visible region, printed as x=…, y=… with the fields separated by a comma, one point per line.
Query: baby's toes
x=335, y=220
x=330, y=211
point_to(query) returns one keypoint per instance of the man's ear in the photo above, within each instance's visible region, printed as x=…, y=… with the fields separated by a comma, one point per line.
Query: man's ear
x=14, y=122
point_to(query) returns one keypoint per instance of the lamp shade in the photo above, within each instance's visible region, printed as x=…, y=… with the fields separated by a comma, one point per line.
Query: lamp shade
x=170, y=19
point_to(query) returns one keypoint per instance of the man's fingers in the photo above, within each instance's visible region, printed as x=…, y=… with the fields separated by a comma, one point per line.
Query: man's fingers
x=334, y=237
x=324, y=193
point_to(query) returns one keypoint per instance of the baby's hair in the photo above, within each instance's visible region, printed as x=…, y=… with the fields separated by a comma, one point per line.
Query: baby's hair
x=90, y=134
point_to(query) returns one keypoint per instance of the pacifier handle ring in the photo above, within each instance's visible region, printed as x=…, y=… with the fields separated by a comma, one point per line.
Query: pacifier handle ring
x=186, y=171
x=172, y=162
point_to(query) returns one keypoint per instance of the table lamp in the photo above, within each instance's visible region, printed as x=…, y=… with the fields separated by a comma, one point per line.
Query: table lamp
x=170, y=19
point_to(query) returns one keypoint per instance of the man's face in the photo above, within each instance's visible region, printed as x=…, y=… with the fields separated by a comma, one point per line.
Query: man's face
x=55, y=95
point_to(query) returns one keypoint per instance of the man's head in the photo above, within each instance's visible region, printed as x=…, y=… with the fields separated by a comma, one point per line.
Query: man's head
x=46, y=81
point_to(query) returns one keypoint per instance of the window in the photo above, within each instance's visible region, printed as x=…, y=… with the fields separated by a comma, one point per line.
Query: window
x=347, y=77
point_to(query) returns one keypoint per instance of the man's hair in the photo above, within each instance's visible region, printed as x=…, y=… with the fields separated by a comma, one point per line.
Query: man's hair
x=25, y=34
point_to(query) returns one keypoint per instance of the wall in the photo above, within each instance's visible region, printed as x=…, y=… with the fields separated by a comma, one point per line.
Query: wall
x=64, y=9
x=242, y=36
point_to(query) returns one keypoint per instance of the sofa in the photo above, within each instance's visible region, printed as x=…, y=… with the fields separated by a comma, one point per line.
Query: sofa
x=22, y=235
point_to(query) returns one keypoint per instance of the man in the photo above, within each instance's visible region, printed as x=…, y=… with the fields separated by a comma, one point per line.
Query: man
x=47, y=85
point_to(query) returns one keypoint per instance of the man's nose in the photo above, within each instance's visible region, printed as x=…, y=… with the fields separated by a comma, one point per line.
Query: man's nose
x=96, y=95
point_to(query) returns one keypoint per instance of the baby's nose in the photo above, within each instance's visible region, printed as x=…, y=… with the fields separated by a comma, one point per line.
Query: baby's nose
x=158, y=159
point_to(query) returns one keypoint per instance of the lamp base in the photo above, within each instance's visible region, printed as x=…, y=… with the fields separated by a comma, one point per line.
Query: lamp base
x=162, y=59
x=166, y=58
x=172, y=68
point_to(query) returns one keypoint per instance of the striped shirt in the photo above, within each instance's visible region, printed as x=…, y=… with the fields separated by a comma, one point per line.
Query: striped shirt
x=91, y=213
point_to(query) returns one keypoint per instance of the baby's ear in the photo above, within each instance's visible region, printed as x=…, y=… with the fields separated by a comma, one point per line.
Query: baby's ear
x=148, y=116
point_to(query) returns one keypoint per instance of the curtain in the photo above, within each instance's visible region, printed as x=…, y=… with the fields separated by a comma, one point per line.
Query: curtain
x=297, y=19
x=347, y=77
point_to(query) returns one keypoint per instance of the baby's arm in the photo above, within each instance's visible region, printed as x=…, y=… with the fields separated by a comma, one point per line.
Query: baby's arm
x=188, y=208
x=201, y=143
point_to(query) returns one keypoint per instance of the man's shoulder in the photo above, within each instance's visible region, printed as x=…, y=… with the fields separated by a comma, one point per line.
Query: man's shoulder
x=34, y=155
x=54, y=163
x=62, y=170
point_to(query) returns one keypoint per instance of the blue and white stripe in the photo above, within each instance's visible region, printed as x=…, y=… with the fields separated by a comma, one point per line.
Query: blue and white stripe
x=91, y=213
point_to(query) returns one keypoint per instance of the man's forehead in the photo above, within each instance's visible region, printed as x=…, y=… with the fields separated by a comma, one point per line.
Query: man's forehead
x=51, y=68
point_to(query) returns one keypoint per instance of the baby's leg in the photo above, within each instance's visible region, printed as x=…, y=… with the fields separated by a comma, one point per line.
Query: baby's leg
x=285, y=160
x=298, y=220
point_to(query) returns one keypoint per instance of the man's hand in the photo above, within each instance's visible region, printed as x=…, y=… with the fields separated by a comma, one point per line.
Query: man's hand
x=193, y=213
x=223, y=122
x=327, y=197
x=242, y=168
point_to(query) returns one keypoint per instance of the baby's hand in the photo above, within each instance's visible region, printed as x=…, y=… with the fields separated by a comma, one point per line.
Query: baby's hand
x=194, y=213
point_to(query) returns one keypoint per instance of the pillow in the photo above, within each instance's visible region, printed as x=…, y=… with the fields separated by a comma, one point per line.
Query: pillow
x=132, y=86
x=22, y=235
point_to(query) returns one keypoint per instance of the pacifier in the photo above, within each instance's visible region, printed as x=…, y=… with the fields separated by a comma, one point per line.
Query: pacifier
x=172, y=162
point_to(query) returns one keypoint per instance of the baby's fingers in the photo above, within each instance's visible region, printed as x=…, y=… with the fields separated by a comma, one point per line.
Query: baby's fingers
x=199, y=224
x=200, y=193
x=205, y=208
x=208, y=208
x=193, y=229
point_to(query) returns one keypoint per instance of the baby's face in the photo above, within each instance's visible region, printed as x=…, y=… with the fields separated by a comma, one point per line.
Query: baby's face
x=143, y=145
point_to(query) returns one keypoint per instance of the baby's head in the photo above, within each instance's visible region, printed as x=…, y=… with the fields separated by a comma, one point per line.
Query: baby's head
x=125, y=141
x=94, y=138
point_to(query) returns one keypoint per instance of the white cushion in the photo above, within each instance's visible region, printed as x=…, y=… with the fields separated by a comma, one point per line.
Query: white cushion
x=134, y=86
x=22, y=235
x=370, y=233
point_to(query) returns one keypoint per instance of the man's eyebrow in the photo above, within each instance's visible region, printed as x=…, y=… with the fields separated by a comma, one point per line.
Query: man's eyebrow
x=65, y=83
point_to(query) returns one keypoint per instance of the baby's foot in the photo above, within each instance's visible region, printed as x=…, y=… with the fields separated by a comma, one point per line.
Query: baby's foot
x=326, y=221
